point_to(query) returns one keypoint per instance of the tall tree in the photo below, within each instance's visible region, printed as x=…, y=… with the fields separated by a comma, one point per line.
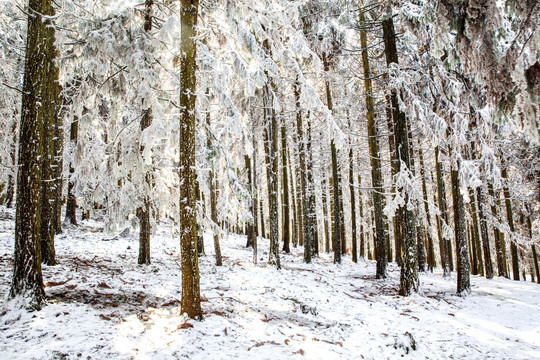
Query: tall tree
x=191, y=296
x=143, y=212
x=308, y=241
x=336, y=243
x=375, y=157
x=285, y=188
x=460, y=230
x=409, y=266
x=510, y=219
x=353, y=202
x=500, y=246
x=445, y=243
x=39, y=89
x=51, y=105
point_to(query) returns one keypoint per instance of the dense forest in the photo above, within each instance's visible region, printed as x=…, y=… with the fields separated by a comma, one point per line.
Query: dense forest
x=399, y=133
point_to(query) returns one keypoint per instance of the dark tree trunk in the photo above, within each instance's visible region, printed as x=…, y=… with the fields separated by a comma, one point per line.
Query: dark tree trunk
x=476, y=233
x=445, y=244
x=143, y=213
x=431, y=247
x=71, y=206
x=214, y=196
x=510, y=219
x=50, y=104
x=409, y=276
x=272, y=163
x=462, y=251
x=499, y=237
x=312, y=216
x=191, y=294
x=484, y=233
x=353, y=206
x=250, y=227
x=533, y=248
x=39, y=88
x=58, y=162
x=285, y=188
x=376, y=173
x=361, y=209
x=336, y=218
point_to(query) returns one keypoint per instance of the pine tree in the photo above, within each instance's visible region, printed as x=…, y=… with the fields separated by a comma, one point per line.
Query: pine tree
x=143, y=212
x=462, y=251
x=39, y=89
x=376, y=173
x=409, y=276
x=191, y=297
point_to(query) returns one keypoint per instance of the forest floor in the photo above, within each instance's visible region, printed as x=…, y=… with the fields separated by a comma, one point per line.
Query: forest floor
x=102, y=305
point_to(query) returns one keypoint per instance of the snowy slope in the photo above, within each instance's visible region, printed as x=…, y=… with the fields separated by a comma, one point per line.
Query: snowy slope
x=105, y=306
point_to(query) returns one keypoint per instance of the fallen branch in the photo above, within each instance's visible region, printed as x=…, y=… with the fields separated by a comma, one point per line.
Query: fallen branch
x=55, y=283
x=261, y=343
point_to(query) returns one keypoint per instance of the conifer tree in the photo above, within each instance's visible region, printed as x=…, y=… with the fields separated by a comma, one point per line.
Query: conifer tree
x=191, y=296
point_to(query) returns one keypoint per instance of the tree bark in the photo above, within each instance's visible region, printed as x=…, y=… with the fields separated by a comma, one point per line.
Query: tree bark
x=191, y=295
x=336, y=215
x=285, y=188
x=462, y=251
x=376, y=173
x=353, y=203
x=50, y=103
x=71, y=206
x=38, y=86
x=431, y=247
x=499, y=236
x=510, y=219
x=143, y=213
x=445, y=244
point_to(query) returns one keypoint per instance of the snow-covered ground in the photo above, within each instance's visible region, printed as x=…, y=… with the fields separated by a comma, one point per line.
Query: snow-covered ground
x=102, y=305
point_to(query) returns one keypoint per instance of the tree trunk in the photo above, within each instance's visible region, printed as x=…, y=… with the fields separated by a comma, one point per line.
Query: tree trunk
x=376, y=173
x=312, y=216
x=476, y=233
x=37, y=100
x=325, y=213
x=250, y=227
x=50, y=103
x=431, y=247
x=143, y=213
x=510, y=219
x=272, y=159
x=396, y=223
x=361, y=209
x=292, y=189
x=462, y=252
x=71, y=206
x=191, y=295
x=353, y=203
x=409, y=267
x=533, y=248
x=254, y=198
x=336, y=218
x=58, y=163
x=285, y=188
x=488, y=264
x=305, y=239
x=214, y=195
x=10, y=191
x=499, y=236
x=445, y=244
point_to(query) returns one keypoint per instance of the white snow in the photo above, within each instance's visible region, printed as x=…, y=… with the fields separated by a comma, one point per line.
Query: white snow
x=112, y=308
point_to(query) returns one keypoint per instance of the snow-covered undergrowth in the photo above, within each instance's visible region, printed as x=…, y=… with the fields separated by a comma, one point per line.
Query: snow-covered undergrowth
x=102, y=305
